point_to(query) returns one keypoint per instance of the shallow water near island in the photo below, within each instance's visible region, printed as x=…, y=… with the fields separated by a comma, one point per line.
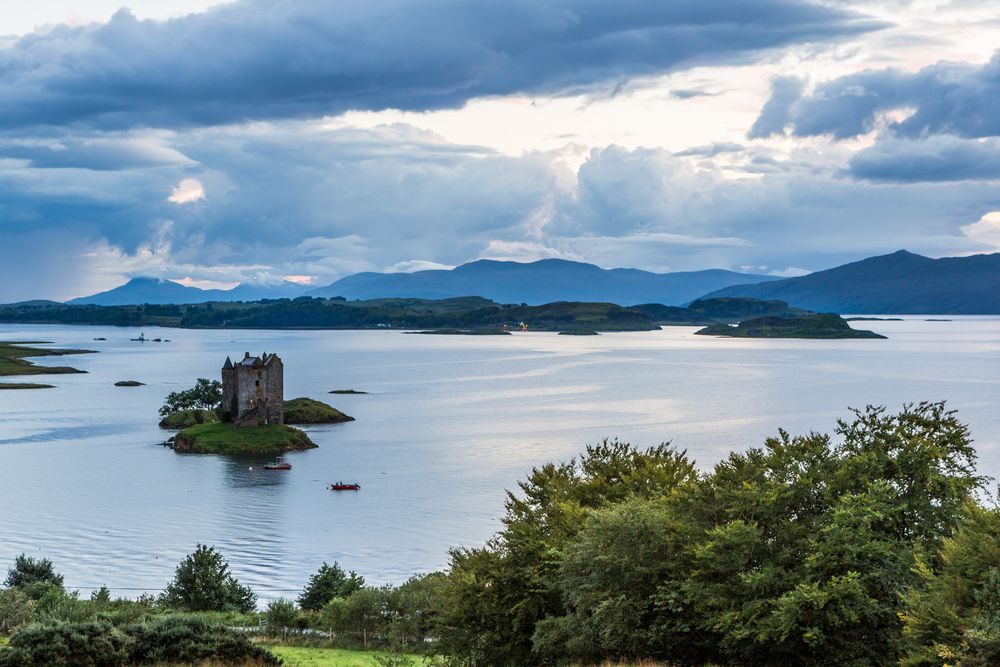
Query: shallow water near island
x=450, y=423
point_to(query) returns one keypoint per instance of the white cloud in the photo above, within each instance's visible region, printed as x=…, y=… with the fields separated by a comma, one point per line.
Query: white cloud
x=189, y=190
x=986, y=230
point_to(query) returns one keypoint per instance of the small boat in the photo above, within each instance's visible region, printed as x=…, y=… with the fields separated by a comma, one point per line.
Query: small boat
x=340, y=486
x=278, y=465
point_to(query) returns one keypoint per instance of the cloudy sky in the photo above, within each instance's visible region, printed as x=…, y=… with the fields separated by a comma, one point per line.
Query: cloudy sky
x=260, y=140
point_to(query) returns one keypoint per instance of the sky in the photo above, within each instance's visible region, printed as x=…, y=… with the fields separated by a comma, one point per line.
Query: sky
x=266, y=140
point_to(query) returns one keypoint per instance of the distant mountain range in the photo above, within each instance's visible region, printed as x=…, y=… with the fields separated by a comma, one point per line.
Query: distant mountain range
x=900, y=283
x=159, y=291
x=539, y=282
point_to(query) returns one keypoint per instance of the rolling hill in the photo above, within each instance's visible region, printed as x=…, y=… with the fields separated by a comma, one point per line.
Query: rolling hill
x=538, y=282
x=900, y=283
x=159, y=291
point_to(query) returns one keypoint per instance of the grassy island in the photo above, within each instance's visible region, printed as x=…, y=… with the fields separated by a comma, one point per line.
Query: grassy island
x=13, y=358
x=222, y=438
x=808, y=326
x=310, y=411
x=129, y=383
x=185, y=418
x=24, y=385
x=579, y=332
x=462, y=332
x=346, y=391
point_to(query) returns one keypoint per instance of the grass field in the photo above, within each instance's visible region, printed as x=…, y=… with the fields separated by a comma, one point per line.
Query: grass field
x=301, y=656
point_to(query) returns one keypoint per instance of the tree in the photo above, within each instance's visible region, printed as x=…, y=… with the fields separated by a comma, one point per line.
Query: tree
x=496, y=595
x=205, y=395
x=33, y=576
x=329, y=582
x=281, y=615
x=16, y=610
x=203, y=582
x=953, y=615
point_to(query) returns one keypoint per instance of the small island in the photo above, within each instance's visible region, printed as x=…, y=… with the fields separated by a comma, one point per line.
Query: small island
x=129, y=383
x=222, y=438
x=25, y=385
x=14, y=354
x=245, y=413
x=311, y=411
x=821, y=326
x=462, y=332
x=346, y=391
x=579, y=331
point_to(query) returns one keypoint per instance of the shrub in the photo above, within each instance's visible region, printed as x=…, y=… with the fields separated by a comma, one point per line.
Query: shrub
x=68, y=645
x=192, y=639
x=203, y=582
x=33, y=575
x=16, y=610
x=281, y=615
x=329, y=582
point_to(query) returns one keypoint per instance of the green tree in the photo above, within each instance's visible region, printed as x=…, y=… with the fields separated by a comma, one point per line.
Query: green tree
x=953, y=615
x=281, y=615
x=16, y=610
x=203, y=582
x=496, y=595
x=329, y=582
x=34, y=576
x=205, y=395
x=363, y=614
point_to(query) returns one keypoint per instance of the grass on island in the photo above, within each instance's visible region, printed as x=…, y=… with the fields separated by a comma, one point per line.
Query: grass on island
x=222, y=438
x=305, y=656
x=13, y=359
x=310, y=411
x=462, y=332
x=826, y=326
x=346, y=391
x=185, y=418
x=25, y=385
x=129, y=383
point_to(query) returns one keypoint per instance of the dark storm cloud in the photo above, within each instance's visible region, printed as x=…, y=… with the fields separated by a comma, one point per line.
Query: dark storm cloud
x=946, y=98
x=280, y=59
x=939, y=158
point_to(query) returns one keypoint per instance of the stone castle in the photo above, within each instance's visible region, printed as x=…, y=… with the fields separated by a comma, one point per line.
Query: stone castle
x=253, y=390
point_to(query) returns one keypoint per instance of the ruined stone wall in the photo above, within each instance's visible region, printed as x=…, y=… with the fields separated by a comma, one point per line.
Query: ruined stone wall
x=274, y=391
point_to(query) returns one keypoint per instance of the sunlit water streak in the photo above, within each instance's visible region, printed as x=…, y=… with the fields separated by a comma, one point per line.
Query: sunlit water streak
x=450, y=423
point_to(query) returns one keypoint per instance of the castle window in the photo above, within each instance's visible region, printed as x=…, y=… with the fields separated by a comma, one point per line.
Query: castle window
x=258, y=383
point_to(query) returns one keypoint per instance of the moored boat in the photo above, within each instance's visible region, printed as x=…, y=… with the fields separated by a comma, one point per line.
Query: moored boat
x=340, y=486
x=278, y=465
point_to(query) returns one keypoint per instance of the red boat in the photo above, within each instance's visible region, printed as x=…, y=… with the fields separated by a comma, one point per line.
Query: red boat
x=340, y=486
x=278, y=465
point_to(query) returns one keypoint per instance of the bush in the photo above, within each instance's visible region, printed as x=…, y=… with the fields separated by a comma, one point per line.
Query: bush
x=173, y=639
x=281, y=615
x=329, y=582
x=203, y=582
x=33, y=575
x=68, y=645
x=191, y=639
x=16, y=610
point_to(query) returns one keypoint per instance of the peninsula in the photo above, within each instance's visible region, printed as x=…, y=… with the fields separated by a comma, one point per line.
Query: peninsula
x=14, y=361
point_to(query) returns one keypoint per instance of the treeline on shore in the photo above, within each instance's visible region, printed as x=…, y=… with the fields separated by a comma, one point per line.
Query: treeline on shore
x=463, y=314
x=874, y=546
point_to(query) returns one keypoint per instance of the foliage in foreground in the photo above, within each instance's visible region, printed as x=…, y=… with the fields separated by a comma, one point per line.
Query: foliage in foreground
x=803, y=552
x=187, y=640
x=203, y=582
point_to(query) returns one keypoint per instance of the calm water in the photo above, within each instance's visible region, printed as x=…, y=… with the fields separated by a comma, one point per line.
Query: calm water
x=450, y=423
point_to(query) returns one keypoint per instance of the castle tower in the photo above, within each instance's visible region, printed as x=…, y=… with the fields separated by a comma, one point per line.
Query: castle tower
x=253, y=390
